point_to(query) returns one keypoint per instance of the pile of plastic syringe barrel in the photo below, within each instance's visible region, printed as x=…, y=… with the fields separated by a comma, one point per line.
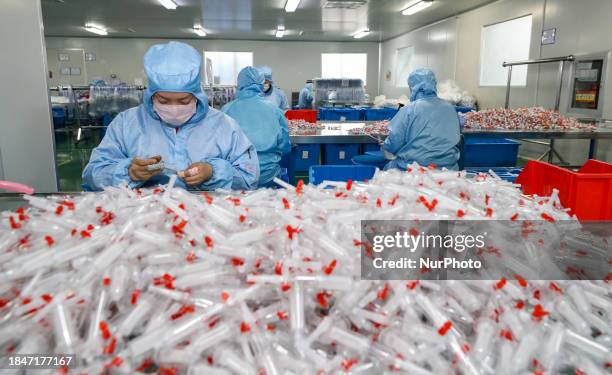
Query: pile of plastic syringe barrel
x=530, y=119
x=302, y=127
x=374, y=128
x=269, y=282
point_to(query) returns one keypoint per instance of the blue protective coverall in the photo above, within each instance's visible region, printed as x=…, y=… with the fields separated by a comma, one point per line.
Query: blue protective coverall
x=209, y=136
x=263, y=123
x=306, y=97
x=275, y=95
x=425, y=131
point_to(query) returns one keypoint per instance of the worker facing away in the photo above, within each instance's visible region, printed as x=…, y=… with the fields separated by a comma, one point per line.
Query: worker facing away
x=262, y=122
x=273, y=93
x=173, y=131
x=425, y=131
x=306, y=96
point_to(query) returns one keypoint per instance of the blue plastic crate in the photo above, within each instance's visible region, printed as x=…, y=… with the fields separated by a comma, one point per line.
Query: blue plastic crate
x=285, y=159
x=303, y=156
x=59, y=117
x=285, y=166
x=377, y=114
x=370, y=147
x=340, y=153
x=339, y=114
x=320, y=173
x=486, y=152
x=505, y=173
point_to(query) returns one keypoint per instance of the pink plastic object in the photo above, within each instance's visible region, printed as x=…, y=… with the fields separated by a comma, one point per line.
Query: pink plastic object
x=16, y=187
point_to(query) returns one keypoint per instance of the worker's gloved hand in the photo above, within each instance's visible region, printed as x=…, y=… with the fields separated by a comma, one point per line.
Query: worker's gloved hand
x=139, y=170
x=196, y=173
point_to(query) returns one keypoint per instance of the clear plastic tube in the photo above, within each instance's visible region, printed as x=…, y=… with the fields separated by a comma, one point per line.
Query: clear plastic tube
x=587, y=346
x=229, y=359
x=246, y=237
x=212, y=338
x=465, y=296
x=158, y=258
x=348, y=339
x=552, y=346
x=175, y=357
x=202, y=368
x=327, y=282
x=484, y=339
x=525, y=351
x=120, y=275
x=64, y=330
x=296, y=304
x=103, y=260
x=135, y=317
x=568, y=312
x=176, y=333
x=194, y=279
x=151, y=237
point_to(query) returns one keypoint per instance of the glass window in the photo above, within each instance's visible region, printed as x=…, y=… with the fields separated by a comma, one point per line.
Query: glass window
x=222, y=67
x=344, y=65
x=504, y=41
x=403, y=65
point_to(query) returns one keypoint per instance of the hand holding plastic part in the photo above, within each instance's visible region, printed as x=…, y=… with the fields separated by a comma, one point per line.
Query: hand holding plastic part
x=141, y=170
x=196, y=173
x=16, y=187
x=156, y=166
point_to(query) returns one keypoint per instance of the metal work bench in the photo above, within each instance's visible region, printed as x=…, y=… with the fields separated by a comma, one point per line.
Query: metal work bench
x=338, y=132
x=604, y=131
x=334, y=132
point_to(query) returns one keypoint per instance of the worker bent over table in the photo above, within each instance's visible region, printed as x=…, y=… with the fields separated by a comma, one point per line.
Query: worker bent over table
x=175, y=126
x=262, y=122
x=426, y=131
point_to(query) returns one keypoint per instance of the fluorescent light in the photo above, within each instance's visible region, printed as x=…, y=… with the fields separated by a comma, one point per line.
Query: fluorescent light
x=291, y=5
x=360, y=34
x=96, y=29
x=168, y=4
x=417, y=7
x=199, y=30
x=280, y=31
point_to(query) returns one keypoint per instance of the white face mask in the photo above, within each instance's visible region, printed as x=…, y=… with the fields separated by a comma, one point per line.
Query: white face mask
x=175, y=115
x=266, y=87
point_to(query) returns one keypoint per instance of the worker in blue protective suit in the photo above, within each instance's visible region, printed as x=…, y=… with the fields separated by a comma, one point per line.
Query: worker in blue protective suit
x=273, y=93
x=306, y=96
x=174, y=125
x=262, y=122
x=425, y=131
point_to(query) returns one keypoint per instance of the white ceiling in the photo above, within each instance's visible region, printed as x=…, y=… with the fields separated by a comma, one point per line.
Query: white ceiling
x=243, y=19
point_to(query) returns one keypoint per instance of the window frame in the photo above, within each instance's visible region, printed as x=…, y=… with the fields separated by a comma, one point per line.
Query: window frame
x=400, y=79
x=236, y=68
x=481, y=56
x=364, y=54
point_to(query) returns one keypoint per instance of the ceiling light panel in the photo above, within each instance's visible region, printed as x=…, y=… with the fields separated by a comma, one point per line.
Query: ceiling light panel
x=344, y=4
x=291, y=5
x=417, y=7
x=168, y=4
x=98, y=30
